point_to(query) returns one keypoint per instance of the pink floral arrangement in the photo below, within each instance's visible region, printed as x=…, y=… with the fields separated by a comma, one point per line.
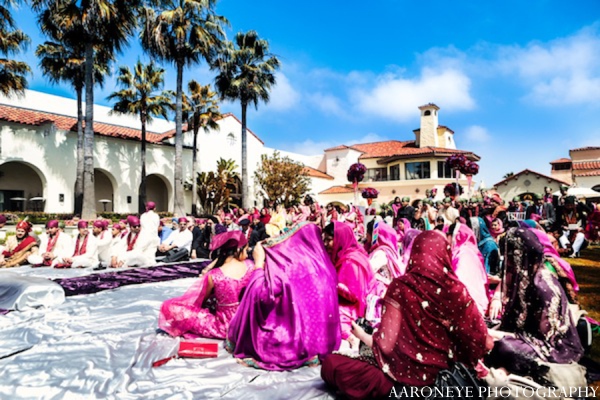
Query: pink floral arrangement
x=356, y=172
x=370, y=193
x=456, y=161
x=471, y=168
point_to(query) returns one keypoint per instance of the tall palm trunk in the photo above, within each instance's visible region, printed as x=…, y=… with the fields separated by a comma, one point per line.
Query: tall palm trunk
x=195, y=167
x=245, y=188
x=179, y=208
x=79, y=177
x=142, y=194
x=89, y=195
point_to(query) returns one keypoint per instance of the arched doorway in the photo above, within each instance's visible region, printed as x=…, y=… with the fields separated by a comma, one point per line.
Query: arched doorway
x=21, y=187
x=157, y=190
x=104, y=190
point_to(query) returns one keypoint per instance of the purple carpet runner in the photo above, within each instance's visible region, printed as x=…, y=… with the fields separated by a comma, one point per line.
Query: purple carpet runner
x=111, y=280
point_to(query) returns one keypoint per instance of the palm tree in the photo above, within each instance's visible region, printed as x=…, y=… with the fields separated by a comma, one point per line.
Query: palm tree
x=246, y=74
x=65, y=63
x=183, y=32
x=201, y=110
x=98, y=23
x=12, y=73
x=138, y=97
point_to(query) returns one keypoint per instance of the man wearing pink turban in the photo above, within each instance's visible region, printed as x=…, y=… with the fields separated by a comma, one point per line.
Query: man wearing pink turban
x=85, y=254
x=104, y=239
x=150, y=219
x=137, y=248
x=54, y=244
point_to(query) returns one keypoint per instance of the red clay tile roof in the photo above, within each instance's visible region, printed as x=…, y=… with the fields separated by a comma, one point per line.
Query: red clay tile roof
x=338, y=190
x=37, y=118
x=586, y=165
x=586, y=148
x=341, y=147
x=315, y=173
x=560, y=161
x=526, y=172
x=587, y=173
x=586, y=168
x=395, y=148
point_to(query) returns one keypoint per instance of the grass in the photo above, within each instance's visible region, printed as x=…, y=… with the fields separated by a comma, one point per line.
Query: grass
x=587, y=272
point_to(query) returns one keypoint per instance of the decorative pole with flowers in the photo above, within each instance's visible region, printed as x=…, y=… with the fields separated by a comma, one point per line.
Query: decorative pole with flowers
x=461, y=164
x=370, y=194
x=356, y=173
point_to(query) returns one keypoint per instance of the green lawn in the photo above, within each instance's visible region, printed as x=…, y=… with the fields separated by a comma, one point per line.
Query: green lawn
x=587, y=272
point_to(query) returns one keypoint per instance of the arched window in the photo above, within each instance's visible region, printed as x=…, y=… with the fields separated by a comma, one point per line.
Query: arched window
x=231, y=139
x=427, y=112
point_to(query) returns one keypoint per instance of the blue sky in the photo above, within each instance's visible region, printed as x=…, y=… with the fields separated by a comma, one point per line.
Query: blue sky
x=518, y=82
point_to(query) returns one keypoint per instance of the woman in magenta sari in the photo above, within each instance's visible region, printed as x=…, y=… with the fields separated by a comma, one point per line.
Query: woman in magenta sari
x=354, y=275
x=289, y=314
x=429, y=321
x=382, y=247
x=221, y=283
x=468, y=265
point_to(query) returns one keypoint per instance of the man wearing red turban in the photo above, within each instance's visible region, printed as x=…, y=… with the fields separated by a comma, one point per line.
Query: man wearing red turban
x=18, y=247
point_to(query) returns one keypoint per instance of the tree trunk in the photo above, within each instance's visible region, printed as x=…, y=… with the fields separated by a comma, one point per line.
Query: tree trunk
x=178, y=207
x=79, y=177
x=142, y=194
x=89, y=195
x=194, y=166
x=245, y=188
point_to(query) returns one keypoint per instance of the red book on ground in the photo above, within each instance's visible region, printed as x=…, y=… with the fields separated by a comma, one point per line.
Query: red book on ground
x=198, y=350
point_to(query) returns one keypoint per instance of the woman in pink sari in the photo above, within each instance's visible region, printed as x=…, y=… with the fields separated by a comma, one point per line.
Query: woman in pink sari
x=221, y=283
x=467, y=263
x=289, y=314
x=355, y=277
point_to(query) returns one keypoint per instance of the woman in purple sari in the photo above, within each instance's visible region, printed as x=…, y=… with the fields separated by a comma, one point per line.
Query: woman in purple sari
x=289, y=314
x=354, y=275
x=536, y=325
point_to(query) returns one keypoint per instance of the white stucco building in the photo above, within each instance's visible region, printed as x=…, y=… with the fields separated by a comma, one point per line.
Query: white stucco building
x=38, y=142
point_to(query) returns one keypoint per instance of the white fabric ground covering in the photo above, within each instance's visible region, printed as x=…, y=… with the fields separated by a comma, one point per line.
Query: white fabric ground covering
x=102, y=346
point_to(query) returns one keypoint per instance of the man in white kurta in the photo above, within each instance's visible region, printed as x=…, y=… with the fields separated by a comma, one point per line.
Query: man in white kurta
x=150, y=219
x=85, y=254
x=179, y=239
x=53, y=244
x=138, y=248
x=104, y=238
x=449, y=213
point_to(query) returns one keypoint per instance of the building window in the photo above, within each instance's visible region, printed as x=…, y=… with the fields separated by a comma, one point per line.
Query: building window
x=427, y=112
x=231, y=139
x=418, y=170
x=376, y=174
x=444, y=171
x=561, y=167
x=395, y=173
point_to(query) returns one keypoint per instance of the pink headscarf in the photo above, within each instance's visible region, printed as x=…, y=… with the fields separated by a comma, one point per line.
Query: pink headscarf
x=352, y=266
x=386, y=239
x=468, y=264
x=499, y=231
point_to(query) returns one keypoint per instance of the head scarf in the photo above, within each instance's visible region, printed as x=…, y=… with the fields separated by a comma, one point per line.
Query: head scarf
x=228, y=240
x=2, y=219
x=468, y=264
x=82, y=224
x=523, y=254
x=439, y=321
x=499, y=231
x=99, y=224
x=386, y=239
x=150, y=205
x=133, y=221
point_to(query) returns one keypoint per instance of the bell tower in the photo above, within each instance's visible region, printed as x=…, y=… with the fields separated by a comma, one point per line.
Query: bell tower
x=427, y=135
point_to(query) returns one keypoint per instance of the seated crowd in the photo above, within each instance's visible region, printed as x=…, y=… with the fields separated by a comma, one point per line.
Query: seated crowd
x=436, y=282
